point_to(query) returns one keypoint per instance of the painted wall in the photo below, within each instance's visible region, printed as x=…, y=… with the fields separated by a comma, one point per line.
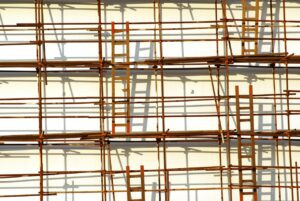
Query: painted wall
x=25, y=159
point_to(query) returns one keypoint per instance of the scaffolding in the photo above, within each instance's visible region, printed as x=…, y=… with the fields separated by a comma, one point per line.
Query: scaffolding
x=116, y=124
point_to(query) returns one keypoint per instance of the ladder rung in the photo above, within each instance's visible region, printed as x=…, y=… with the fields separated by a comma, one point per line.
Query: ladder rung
x=120, y=113
x=136, y=200
x=118, y=42
x=250, y=18
x=124, y=90
x=120, y=78
x=250, y=29
x=244, y=108
x=136, y=189
x=121, y=66
x=120, y=125
x=120, y=55
x=120, y=102
x=249, y=40
x=246, y=144
x=135, y=176
x=247, y=193
x=120, y=30
x=244, y=120
x=248, y=181
x=249, y=50
x=249, y=7
x=246, y=156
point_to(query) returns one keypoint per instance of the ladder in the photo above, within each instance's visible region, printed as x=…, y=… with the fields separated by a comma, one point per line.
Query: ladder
x=120, y=79
x=137, y=189
x=250, y=16
x=246, y=148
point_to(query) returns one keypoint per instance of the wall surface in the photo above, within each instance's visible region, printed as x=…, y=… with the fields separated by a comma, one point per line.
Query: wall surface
x=82, y=115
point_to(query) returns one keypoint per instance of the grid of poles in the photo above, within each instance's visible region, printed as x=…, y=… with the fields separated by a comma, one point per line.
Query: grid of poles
x=214, y=64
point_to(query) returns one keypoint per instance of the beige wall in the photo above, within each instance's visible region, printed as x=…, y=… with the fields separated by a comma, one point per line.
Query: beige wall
x=25, y=159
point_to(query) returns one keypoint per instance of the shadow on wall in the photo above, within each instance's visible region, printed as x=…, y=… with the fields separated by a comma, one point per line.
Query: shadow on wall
x=143, y=85
x=191, y=83
x=56, y=13
x=123, y=154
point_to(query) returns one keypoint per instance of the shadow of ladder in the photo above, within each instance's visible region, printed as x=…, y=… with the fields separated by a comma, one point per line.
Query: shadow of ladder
x=133, y=188
x=266, y=157
x=246, y=148
x=140, y=124
x=267, y=15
